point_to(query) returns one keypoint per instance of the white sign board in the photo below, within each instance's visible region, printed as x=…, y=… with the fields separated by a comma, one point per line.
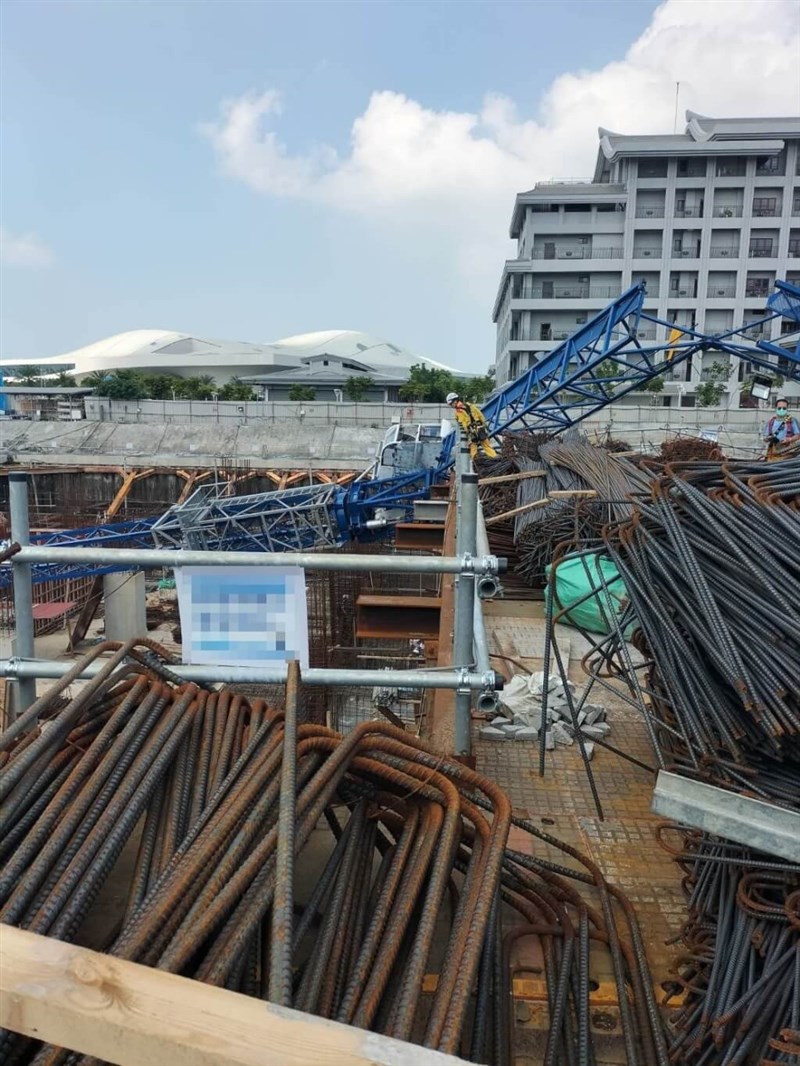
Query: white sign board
x=243, y=615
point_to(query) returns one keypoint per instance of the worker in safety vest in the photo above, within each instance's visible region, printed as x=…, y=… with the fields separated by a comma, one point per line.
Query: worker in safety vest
x=781, y=429
x=475, y=427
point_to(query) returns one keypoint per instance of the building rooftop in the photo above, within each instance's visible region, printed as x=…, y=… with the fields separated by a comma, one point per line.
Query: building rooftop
x=167, y=351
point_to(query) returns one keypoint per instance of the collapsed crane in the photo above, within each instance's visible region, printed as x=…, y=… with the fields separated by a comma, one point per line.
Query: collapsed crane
x=565, y=386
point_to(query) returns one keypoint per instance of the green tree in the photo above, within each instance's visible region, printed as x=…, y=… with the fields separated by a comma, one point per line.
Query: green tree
x=28, y=377
x=96, y=381
x=302, y=393
x=710, y=392
x=61, y=380
x=164, y=386
x=125, y=385
x=478, y=388
x=236, y=389
x=357, y=387
x=654, y=386
x=429, y=384
x=201, y=387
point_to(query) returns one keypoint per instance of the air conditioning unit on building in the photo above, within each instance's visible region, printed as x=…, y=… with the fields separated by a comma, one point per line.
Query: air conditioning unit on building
x=683, y=292
x=647, y=251
x=720, y=292
x=724, y=252
x=648, y=214
x=568, y=255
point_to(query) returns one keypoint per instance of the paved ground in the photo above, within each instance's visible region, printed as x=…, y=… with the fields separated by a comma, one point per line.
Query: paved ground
x=622, y=844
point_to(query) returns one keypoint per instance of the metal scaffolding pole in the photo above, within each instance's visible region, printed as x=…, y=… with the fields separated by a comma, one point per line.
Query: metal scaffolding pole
x=23, y=594
x=465, y=608
x=455, y=678
x=150, y=558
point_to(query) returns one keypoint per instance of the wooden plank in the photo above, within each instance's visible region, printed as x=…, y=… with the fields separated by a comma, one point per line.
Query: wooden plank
x=133, y=1015
x=565, y=494
x=521, y=476
x=517, y=510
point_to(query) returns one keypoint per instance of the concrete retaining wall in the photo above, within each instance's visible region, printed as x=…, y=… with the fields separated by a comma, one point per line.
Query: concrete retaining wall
x=265, y=446
x=330, y=445
x=230, y=413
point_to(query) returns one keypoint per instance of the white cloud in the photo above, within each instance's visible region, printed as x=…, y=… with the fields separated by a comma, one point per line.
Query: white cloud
x=24, y=250
x=453, y=175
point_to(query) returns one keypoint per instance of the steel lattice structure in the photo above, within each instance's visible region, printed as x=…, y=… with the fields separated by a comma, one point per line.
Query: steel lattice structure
x=567, y=385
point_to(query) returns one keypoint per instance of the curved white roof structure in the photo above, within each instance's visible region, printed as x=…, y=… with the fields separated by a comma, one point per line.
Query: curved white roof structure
x=169, y=352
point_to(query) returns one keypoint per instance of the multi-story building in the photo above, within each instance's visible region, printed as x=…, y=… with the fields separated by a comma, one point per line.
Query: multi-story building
x=708, y=219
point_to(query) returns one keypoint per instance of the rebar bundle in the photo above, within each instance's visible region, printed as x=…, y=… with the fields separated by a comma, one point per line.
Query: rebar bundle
x=570, y=464
x=220, y=801
x=739, y=976
x=712, y=567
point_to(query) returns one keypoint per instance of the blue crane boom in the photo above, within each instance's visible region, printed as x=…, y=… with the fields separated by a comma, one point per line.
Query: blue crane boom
x=605, y=359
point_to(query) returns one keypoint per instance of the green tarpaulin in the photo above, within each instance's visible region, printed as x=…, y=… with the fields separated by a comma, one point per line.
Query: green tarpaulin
x=576, y=578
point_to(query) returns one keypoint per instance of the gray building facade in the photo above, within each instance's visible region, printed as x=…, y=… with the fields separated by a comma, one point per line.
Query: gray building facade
x=708, y=219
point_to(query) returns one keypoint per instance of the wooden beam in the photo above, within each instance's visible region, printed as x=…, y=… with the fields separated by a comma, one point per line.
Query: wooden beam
x=521, y=476
x=188, y=486
x=133, y=1015
x=517, y=510
x=122, y=492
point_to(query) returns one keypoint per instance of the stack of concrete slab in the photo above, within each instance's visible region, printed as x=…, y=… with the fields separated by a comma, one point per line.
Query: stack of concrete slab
x=521, y=713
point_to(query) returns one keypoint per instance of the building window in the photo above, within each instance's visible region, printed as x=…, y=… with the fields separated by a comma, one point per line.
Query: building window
x=691, y=168
x=794, y=247
x=760, y=247
x=765, y=206
x=545, y=332
x=652, y=168
x=731, y=167
x=771, y=164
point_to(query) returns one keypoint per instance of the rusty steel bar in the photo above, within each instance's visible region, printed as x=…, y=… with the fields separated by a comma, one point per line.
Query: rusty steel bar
x=218, y=800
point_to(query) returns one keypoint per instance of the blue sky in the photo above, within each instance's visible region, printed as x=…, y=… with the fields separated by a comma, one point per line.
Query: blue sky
x=133, y=197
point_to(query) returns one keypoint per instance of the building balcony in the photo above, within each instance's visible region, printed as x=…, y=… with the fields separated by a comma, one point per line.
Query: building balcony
x=794, y=250
x=685, y=253
x=716, y=292
x=766, y=212
x=571, y=292
x=534, y=335
x=728, y=211
x=757, y=333
x=688, y=212
x=650, y=212
x=647, y=253
x=578, y=253
x=757, y=291
x=719, y=251
x=762, y=253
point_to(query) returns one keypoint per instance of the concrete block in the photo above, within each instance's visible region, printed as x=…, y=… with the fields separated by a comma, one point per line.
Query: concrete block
x=526, y=732
x=511, y=729
x=593, y=712
x=549, y=740
x=599, y=729
x=560, y=734
x=488, y=732
x=499, y=722
x=588, y=746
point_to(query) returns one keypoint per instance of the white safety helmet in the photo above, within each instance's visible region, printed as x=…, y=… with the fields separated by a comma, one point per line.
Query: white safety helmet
x=451, y=397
